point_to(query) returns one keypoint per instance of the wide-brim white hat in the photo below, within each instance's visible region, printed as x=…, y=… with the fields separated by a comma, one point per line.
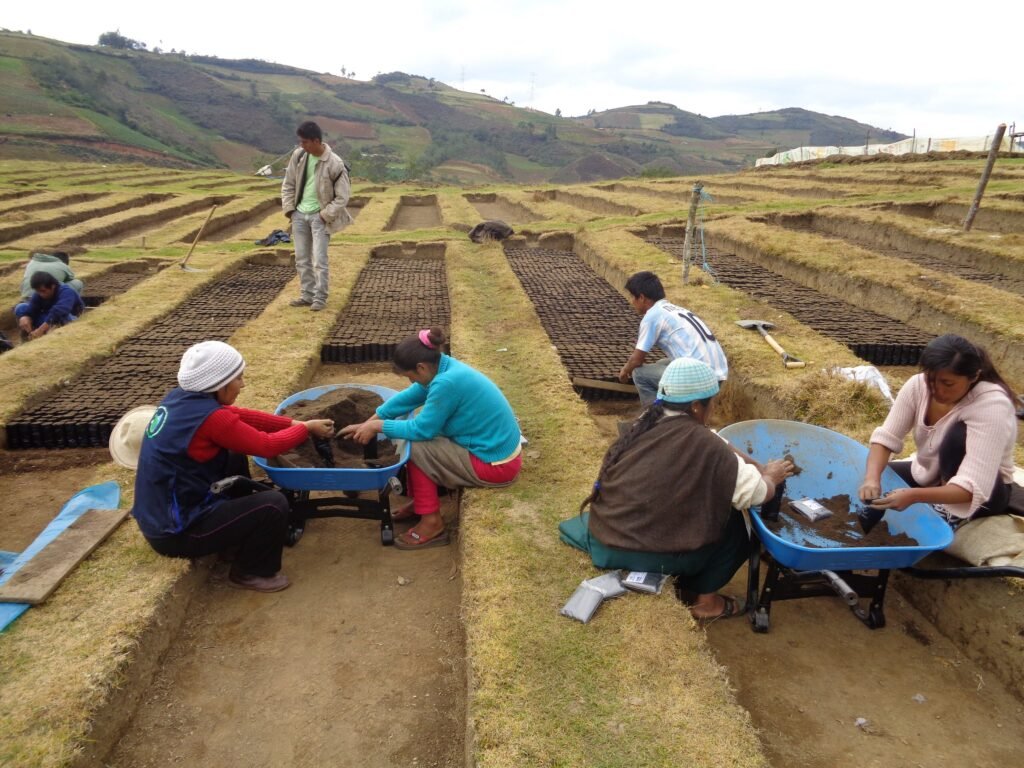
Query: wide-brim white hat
x=126, y=439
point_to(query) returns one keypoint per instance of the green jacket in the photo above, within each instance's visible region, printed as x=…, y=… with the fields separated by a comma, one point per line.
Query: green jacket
x=44, y=262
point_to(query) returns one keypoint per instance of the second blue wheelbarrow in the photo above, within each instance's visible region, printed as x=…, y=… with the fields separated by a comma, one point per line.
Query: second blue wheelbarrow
x=804, y=564
x=298, y=483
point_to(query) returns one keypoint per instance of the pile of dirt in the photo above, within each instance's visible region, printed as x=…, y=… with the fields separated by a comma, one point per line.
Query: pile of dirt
x=841, y=528
x=345, y=405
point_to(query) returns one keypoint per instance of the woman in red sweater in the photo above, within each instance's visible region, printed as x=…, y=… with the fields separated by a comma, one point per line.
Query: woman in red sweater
x=198, y=436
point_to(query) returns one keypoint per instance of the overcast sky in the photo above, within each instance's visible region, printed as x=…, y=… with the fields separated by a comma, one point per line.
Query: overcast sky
x=904, y=66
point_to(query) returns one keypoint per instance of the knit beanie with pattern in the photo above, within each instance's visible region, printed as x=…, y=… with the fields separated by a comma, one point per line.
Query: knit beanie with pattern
x=208, y=366
x=686, y=380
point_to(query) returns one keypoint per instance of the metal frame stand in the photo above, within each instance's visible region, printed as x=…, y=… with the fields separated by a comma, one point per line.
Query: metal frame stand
x=783, y=583
x=350, y=504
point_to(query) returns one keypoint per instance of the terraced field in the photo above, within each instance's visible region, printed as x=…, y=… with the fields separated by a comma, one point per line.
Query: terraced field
x=458, y=655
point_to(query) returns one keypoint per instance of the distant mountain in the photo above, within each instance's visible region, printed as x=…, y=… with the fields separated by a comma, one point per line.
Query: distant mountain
x=63, y=101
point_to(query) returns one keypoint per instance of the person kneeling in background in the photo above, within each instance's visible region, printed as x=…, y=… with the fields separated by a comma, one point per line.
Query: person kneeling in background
x=52, y=304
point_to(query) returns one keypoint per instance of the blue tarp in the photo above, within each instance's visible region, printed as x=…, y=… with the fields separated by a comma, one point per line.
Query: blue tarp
x=102, y=496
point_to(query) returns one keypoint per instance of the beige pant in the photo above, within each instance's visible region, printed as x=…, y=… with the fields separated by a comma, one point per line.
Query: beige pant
x=447, y=464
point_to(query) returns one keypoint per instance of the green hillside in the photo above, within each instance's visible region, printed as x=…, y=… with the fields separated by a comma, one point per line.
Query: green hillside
x=65, y=101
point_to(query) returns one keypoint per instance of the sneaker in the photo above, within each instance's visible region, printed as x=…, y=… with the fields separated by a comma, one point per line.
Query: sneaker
x=274, y=583
x=299, y=303
x=316, y=306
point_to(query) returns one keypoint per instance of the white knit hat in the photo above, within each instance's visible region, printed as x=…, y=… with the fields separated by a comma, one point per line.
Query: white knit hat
x=686, y=380
x=208, y=366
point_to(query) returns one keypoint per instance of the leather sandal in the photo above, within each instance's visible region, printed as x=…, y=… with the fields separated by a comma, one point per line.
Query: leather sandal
x=412, y=540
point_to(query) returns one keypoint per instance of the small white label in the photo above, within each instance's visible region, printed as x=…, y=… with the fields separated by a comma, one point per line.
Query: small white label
x=636, y=577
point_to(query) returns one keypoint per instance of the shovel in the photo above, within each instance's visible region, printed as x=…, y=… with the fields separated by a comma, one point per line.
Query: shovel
x=199, y=234
x=762, y=326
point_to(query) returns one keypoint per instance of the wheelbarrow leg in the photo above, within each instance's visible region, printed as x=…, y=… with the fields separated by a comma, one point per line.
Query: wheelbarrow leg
x=296, y=516
x=753, y=575
x=760, y=617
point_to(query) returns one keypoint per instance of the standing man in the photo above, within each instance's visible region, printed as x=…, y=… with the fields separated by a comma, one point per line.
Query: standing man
x=675, y=330
x=314, y=194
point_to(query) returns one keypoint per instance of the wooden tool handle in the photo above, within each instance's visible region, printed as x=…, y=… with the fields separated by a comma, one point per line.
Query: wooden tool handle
x=199, y=234
x=612, y=386
x=795, y=364
x=774, y=344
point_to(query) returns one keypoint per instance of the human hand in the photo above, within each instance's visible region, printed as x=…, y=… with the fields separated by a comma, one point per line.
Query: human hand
x=362, y=433
x=25, y=323
x=37, y=333
x=778, y=470
x=869, y=490
x=320, y=427
x=898, y=499
x=624, y=375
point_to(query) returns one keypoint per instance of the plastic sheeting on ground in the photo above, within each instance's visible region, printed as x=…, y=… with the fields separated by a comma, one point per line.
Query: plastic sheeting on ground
x=904, y=147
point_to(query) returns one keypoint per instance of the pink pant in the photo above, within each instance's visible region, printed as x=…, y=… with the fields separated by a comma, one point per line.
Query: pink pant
x=424, y=491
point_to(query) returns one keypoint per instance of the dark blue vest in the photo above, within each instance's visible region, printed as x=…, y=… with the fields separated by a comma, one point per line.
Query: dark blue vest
x=171, y=488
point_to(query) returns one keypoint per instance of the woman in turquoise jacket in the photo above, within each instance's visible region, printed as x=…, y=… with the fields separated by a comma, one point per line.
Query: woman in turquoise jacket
x=465, y=433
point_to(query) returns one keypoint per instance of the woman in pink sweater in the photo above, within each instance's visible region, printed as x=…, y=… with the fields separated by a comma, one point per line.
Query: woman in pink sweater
x=962, y=417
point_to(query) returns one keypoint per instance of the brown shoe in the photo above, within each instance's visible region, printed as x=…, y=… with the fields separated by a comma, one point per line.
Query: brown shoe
x=274, y=583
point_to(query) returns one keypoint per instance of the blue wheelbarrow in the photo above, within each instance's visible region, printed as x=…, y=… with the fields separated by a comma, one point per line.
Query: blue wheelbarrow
x=298, y=482
x=800, y=562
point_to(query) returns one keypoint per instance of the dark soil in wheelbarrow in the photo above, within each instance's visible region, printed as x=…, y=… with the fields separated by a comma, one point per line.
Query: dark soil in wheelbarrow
x=841, y=527
x=345, y=406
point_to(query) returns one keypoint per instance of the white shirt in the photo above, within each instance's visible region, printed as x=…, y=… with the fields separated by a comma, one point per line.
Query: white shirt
x=678, y=332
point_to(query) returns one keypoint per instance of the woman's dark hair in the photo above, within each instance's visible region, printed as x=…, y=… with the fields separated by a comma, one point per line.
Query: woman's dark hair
x=42, y=280
x=958, y=355
x=411, y=350
x=647, y=419
x=646, y=284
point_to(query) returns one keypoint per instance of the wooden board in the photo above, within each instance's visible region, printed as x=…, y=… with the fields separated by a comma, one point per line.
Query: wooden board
x=611, y=386
x=39, y=577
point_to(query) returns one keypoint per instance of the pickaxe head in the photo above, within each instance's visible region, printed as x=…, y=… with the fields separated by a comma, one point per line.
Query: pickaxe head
x=755, y=325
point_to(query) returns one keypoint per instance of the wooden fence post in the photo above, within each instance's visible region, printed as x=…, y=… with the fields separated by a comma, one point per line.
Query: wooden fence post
x=993, y=153
x=690, y=219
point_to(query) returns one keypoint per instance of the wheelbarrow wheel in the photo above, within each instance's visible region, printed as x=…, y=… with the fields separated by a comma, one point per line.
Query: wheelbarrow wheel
x=760, y=619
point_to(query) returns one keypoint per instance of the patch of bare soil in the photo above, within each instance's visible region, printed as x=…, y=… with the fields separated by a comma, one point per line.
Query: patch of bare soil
x=818, y=671
x=416, y=214
x=503, y=210
x=359, y=663
x=35, y=485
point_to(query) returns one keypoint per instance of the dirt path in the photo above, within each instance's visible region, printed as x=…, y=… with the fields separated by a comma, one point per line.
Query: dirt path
x=359, y=663
x=818, y=669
